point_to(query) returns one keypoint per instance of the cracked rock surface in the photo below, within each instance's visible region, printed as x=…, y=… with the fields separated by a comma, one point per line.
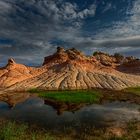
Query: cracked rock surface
x=71, y=69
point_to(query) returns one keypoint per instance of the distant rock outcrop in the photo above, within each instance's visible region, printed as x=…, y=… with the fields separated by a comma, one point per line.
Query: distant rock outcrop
x=71, y=69
x=109, y=60
x=130, y=66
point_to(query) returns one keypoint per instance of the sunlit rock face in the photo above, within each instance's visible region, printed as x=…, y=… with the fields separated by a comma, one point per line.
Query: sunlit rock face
x=71, y=69
x=62, y=56
x=13, y=73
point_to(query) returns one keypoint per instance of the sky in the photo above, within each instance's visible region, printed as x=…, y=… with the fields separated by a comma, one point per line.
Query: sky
x=33, y=29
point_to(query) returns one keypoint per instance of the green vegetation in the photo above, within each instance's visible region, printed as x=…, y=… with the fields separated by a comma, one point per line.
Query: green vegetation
x=16, y=131
x=99, y=53
x=119, y=57
x=95, y=53
x=135, y=90
x=79, y=96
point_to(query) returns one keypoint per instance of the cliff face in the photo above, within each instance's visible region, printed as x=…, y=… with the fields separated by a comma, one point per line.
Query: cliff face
x=71, y=69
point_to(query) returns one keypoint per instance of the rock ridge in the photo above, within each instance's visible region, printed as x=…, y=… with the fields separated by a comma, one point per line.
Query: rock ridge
x=71, y=69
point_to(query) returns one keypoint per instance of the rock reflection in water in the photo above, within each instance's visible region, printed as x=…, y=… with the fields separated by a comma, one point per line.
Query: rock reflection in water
x=14, y=98
x=61, y=107
x=37, y=111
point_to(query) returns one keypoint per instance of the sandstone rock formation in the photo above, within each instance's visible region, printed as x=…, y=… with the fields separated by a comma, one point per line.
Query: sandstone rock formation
x=13, y=73
x=71, y=69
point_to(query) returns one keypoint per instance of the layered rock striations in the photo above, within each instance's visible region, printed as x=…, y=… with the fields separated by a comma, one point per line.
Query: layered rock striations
x=71, y=69
x=13, y=73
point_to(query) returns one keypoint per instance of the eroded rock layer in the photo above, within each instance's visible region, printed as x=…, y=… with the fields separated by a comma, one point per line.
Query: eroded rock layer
x=71, y=69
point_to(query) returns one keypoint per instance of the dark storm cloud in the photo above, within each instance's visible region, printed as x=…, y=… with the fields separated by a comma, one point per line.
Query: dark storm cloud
x=121, y=42
x=34, y=26
x=36, y=18
x=124, y=45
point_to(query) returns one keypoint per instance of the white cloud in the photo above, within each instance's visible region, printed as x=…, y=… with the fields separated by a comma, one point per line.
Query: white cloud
x=87, y=12
x=129, y=27
x=123, y=36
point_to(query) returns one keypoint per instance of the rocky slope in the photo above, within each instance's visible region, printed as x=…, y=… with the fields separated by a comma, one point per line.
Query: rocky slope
x=71, y=69
x=13, y=73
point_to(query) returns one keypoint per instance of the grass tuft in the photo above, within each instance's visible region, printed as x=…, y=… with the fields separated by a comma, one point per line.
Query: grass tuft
x=15, y=131
x=79, y=96
x=134, y=90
